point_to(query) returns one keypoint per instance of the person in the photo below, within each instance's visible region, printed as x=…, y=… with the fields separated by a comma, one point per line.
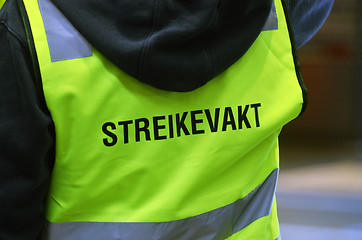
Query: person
x=147, y=119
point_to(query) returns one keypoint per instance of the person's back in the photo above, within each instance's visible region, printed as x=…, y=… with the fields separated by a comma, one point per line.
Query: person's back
x=166, y=118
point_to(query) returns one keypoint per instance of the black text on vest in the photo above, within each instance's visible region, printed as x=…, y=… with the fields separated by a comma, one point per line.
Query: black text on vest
x=181, y=124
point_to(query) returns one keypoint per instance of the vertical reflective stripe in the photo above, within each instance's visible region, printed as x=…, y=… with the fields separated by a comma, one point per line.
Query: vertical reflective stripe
x=64, y=41
x=272, y=21
x=214, y=225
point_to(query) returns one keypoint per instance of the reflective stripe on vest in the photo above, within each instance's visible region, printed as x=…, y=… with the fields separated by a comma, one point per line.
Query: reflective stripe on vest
x=129, y=155
x=65, y=42
x=272, y=21
x=216, y=225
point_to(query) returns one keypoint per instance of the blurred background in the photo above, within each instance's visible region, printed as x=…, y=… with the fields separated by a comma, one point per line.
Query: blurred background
x=320, y=185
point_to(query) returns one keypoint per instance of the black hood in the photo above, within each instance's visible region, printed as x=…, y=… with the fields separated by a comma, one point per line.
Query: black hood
x=176, y=45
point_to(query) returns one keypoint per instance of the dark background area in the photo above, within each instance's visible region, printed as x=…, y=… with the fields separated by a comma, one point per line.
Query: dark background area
x=331, y=65
x=319, y=193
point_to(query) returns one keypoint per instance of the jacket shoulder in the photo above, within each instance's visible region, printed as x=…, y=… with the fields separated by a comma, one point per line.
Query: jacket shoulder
x=307, y=17
x=11, y=22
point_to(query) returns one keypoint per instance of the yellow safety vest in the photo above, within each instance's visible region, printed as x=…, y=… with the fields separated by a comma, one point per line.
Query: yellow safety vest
x=136, y=162
x=2, y=3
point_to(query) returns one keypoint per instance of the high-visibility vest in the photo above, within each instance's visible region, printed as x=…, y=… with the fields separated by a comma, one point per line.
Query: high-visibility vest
x=136, y=162
x=2, y=3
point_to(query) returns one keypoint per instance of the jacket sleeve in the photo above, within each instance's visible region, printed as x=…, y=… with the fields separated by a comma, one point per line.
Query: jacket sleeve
x=307, y=17
x=26, y=135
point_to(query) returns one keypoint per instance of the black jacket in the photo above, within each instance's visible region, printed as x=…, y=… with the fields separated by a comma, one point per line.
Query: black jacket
x=226, y=28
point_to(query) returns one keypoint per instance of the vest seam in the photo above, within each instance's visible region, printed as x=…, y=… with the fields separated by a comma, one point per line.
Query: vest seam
x=295, y=57
x=31, y=45
x=37, y=75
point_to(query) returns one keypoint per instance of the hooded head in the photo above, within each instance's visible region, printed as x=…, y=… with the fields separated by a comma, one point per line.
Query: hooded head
x=175, y=45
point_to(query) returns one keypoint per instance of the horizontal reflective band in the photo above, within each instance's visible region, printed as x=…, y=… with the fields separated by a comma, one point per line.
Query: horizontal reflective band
x=272, y=21
x=217, y=224
x=64, y=41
